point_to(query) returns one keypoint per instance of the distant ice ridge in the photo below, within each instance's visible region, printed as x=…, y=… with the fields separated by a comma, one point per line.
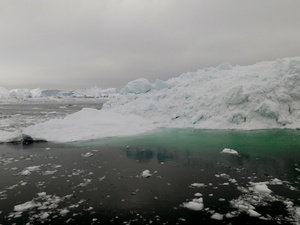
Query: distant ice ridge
x=265, y=95
x=23, y=93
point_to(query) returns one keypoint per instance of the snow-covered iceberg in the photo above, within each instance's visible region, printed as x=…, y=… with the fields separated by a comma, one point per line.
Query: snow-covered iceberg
x=265, y=95
x=89, y=124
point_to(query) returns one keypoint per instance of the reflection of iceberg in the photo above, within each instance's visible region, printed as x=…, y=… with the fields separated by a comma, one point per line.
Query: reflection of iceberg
x=146, y=155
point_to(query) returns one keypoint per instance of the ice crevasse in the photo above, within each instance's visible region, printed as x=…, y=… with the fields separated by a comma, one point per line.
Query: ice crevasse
x=265, y=95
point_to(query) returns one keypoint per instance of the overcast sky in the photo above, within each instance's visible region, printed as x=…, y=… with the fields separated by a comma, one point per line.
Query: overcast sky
x=68, y=44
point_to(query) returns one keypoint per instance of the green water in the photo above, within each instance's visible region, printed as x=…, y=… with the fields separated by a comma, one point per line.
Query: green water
x=256, y=143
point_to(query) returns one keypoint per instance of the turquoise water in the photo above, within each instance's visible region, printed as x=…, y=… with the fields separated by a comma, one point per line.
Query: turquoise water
x=256, y=143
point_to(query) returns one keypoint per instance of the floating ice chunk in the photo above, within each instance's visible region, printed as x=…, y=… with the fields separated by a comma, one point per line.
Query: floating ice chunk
x=88, y=154
x=49, y=172
x=217, y=216
x=229, y=151
x=44, y=216
x=102, y=178
x=85, y=182
x=197, y=185
x=146, y=174
x=198, y=195
x=253, y=213
x=261, y=188
x=33, y=168
x=64, y=212
x=276, y=181
x=26, y=206
x=42, y=194
x=231, y=214
x=25, y=173
x=196, y=204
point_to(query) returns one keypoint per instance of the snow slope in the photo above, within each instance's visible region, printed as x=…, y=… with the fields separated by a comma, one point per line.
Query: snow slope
x=89, y=124
x=265, y=95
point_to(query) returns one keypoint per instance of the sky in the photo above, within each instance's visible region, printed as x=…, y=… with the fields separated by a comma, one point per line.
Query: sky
x=70, y=44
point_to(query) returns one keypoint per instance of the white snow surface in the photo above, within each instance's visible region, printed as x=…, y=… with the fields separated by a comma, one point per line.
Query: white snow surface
x=89, y=124
x=265, y=95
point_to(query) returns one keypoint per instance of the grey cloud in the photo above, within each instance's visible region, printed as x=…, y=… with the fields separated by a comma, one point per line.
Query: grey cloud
x=108, y=43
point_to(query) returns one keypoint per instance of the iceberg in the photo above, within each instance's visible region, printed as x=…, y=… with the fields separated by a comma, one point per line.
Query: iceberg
x=20, y=93
x=265, y=95
x=89, y=124
x=38, y=93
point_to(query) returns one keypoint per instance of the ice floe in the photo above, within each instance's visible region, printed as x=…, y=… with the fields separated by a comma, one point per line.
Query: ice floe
x=196, y=204
x=146, y=174
x=229, y=151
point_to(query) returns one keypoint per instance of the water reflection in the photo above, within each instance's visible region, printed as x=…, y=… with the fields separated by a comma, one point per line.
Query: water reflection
x=142, y=155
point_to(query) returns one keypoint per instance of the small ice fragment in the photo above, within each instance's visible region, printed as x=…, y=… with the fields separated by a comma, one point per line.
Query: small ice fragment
x=231, y=215
x=44, y=216
x=230, y=151
x=253, y=213
x=88, y=154
x=49, y=172
x=41, y=194
x=146, y=174
x=33, y=168
x=197, y=194
x=64, y=212
x=25, y=206
x=276, y=181
x=25, y=173
x=102, y=178
x=197, y=185
x=262, y=188
x=85, y=182
x=217, y=216
x=196, y=204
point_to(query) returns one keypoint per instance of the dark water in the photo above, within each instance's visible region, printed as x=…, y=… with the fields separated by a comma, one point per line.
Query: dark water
x=99, y=182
